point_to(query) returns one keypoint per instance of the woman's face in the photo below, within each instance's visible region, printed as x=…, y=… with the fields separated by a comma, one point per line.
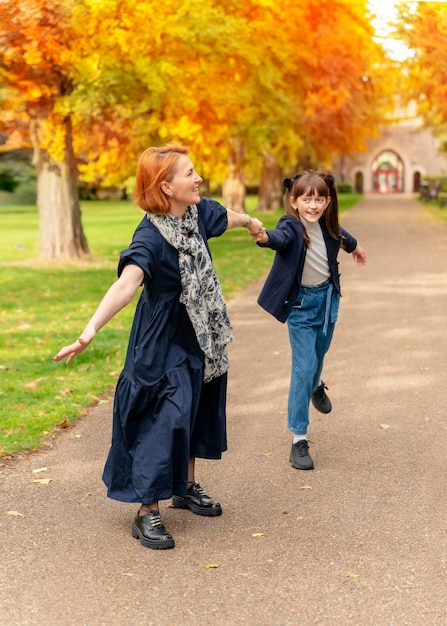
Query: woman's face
x=183, y=189
x=310, y=207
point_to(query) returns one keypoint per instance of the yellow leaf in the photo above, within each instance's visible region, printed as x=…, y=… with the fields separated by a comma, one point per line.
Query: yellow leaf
x=40, y=469
x=305, y=487
x=258, y=535
x=352, y=575
x=15, y=513
x=42, y=481
x=384, y=426
x=34, y=383
x=265, y=453
x=211, y=566
x=65, y=392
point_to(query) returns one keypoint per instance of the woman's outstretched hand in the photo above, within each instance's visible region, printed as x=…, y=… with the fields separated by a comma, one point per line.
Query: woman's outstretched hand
x=75, y=348
x=255, y=226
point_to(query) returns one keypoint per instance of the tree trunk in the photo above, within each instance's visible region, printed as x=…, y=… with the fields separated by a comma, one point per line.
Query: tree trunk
x=270, y=195
x=233, y=188
x=61, y=233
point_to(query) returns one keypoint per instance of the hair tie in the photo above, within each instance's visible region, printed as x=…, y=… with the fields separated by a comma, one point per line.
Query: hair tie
x=329, y=180
x=288, y=183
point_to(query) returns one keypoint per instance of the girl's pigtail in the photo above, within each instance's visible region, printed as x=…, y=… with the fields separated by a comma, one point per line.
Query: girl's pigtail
x=332, y=210
x=329, y=180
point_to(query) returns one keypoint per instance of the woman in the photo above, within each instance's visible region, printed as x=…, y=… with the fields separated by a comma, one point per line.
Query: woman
x=170, y=398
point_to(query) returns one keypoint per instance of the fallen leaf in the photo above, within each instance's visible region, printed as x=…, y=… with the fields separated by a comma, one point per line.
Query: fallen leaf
x=258, y=535
x=34, y=383
x=265, y=453
x=305, y=487
x=352, y=575
x=126, y=574
x=40, y=469
x=65, y=392
x=211, y=566
x=384, y=426
x=42, y=481
x=15, y=513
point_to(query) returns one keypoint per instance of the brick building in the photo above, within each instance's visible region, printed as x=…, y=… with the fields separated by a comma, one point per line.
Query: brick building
x=396, y=162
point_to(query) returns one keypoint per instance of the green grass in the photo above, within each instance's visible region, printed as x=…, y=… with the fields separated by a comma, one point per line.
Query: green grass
x=46, y=306
x=434, y=208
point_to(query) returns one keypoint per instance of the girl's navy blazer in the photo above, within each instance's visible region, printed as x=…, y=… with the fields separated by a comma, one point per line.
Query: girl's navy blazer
x=283, y=283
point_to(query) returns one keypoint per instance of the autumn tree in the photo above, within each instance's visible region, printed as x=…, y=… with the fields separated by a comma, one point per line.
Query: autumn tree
x=35, y=75
x=221, y=83
x=312, y=83
x=337, y=81
x=424, y=30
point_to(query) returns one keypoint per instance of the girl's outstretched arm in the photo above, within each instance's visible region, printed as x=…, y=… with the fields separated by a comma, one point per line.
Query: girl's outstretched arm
x=117, y=297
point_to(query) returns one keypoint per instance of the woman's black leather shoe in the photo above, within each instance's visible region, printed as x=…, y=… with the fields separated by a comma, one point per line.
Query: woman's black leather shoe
x=149, y=529
x=197, y=501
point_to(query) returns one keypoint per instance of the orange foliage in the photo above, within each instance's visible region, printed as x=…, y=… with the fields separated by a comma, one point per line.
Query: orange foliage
x=424, y=30
x=301, y=80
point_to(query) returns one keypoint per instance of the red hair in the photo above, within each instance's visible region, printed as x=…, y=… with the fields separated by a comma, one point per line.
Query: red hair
x=156, y=164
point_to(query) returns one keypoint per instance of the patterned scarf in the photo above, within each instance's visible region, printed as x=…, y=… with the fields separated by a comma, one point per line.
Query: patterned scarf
x=201, y=292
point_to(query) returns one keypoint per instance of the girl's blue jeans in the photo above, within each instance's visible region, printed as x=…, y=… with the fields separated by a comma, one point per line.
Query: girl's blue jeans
x=311, y=326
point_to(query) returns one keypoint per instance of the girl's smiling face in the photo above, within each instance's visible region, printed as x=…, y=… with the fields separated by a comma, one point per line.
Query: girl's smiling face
x=310, y=207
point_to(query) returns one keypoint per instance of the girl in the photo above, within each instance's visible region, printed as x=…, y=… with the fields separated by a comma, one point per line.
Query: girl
x=170, y=399
x=303, y=288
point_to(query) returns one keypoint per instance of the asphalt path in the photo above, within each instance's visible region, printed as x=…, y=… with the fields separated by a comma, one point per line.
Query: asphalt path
x=360, y=540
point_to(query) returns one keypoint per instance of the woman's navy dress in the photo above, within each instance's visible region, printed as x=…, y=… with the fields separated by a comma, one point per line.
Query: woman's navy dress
x=163, y=413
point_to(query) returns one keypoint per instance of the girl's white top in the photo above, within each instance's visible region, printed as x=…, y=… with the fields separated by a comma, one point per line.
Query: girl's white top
x=316, y=267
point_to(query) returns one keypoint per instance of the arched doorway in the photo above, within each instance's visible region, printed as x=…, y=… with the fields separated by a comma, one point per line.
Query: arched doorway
x=388, y=173
x=416, y=181
x=359, y=182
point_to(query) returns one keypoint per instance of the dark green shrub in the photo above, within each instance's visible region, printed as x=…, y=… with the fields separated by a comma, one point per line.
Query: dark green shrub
x=344, y=187
x=8, y=180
